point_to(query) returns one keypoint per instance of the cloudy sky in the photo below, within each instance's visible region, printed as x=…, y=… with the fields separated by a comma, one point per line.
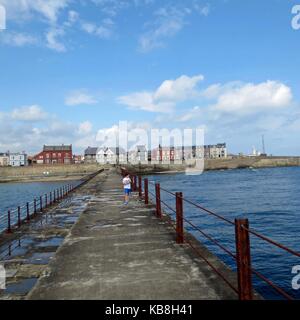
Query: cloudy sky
x=69, y=68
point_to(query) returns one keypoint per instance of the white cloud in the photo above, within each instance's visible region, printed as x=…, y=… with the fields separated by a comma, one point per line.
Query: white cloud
x=145, y=101
x=194, y=113
x=179, y=89
x=29, y=113
x=167, y=22
x=203, y=10
x=250, y=98
x=23, y=135
x=164, y=99
x=102, y=31
x=85, y=127
x=52, y=39
x=49, y=12
x=166, y=25
x=73, y=16
x=80, y=97
x=17, y=39
x=25, y=9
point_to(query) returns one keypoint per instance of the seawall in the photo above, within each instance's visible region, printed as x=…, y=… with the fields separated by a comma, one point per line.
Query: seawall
x=219, y=164
x=47, y=172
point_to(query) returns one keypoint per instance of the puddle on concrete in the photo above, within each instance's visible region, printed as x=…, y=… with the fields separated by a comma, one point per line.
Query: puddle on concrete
x=51, y=242
x=38, y=246
x=104, y=225
x=71, y=219
x=40, y=257
x=21, y=287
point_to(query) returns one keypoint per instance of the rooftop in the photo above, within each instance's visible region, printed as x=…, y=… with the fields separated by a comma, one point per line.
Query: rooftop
x=58, y=148
x=91, y=151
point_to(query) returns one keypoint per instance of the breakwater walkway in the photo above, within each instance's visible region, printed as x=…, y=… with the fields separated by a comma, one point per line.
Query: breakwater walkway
x=124, y=252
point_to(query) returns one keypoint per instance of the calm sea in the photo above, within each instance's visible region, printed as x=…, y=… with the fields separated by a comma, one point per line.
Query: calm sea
x=17, y=194
x=269, y=198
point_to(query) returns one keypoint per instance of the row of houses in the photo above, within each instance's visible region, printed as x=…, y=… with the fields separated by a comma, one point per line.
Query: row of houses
x=49, y=155
x=63, y=154
x=13, y=159
x=54, y=155
x=113, y=155
x=109, y=155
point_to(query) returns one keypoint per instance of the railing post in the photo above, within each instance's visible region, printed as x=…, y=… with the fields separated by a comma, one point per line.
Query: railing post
x=134, y=183
x=19, y=217
x=179, y=218
x=27, y=212
x=8, y=222
x=140, y=187
x=34, y=206
x=158, y=203
x=50, y=200
x=146, y=191
x=41, y=204
x=46, y=200
x=243, y=259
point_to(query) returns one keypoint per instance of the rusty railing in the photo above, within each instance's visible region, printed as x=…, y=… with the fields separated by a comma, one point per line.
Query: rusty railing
x=241, y=230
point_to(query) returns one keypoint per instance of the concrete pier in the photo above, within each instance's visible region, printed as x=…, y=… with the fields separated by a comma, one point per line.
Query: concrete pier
x=118, y=252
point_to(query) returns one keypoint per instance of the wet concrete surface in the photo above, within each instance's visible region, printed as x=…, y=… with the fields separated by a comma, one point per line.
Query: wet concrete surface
x=27, y=254
x=123, y=252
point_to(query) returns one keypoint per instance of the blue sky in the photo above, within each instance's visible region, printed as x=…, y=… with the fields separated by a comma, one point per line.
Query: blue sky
x=69, y=68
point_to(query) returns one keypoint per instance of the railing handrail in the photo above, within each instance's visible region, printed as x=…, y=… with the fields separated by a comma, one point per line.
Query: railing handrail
x=243, y=227
x=250, y=230
x=37, y=204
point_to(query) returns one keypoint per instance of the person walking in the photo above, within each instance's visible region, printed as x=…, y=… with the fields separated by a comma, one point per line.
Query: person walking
x=127, y=188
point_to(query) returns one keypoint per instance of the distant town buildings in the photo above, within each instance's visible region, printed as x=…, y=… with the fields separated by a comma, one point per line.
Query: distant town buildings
x=55, y=155
x=90, y=155
x=62, y=154
x=140, y=154
x=18, y=159
x=78, y=159
x=4, y=159
x=111, y=155
x=165, y=154
x=215, y=151
x=256, y=153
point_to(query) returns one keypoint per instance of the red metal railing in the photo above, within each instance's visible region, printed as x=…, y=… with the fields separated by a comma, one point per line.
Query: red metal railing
x=17, y=217
x=14, y=219
x=242, y=231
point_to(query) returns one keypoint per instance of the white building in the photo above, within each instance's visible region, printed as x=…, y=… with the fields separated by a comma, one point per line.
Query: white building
x=217, y=151
x=139, y=155
x=18, y=159
x=255, y=153
x=4, y=159
x=111, y=155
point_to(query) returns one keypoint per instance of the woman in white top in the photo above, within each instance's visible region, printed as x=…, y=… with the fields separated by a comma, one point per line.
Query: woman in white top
x=127, y=188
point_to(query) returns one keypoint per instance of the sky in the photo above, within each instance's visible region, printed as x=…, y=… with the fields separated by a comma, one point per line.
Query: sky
x=70, y=69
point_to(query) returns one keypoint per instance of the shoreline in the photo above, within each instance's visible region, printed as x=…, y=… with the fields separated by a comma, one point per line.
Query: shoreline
x=47, y=173
x=79, y=172
x=217, y=165
x=42, y=179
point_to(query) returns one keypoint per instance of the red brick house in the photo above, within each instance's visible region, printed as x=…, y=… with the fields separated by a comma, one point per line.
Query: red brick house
x=55, y=155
